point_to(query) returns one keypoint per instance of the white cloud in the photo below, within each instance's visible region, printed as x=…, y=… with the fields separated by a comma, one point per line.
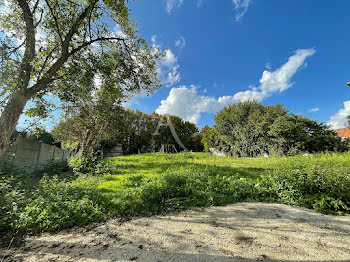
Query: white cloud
x=118, y=31
x=339, y=119
x=154, y=39
x=268, y=66
x=188, y=104
x=277, y=81
x=181, y=42
x=170, y=4
x=316, y=109
x=168, y=67
x=241, y=7
x=170, y=59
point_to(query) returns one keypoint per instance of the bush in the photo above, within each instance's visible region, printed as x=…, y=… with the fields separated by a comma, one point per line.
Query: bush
x=12, y=200
x=55, y=168
x=250, y=129
x=85, y=164
x=144, y=185
x=322, y=186
x=56, y=205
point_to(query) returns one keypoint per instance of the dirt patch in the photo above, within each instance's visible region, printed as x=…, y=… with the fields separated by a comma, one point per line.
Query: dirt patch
x=240, y=232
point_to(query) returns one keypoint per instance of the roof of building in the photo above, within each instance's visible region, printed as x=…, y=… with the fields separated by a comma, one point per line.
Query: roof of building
x=343, y=132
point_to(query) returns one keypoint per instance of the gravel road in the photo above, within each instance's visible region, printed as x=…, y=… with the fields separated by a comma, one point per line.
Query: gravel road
x=239, y=232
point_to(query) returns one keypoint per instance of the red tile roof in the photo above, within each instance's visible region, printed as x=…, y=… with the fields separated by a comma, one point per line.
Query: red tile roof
x=343, y=132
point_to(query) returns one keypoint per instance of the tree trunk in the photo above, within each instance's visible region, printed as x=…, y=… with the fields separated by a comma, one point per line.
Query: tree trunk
x=9, y=118
x=18, y=99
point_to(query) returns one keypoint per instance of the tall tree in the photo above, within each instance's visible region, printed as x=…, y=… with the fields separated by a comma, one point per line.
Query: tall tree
x=249, y=129
x=348, y=121
x=59, y=47
x=184, y=131
x=205, y=129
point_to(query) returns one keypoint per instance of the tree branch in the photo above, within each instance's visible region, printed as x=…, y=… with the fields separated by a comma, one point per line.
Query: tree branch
x=35, y=7
x=41, y=84
x=55, y=20
x=29, y=53
x=77, y=49
x=46, y=60
x=74, y=28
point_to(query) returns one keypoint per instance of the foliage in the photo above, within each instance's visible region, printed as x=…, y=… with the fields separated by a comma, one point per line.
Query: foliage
x=137, y=134
x=11, y=200
x=83, y=164
x=185, y=130
x=196, y=144
x=205, y=129
x=209, y=139
x=148, y=184
x=82, y=130
x=68, y=50
x=43, y=136
x=140, y=136
x=55, y=168
x=347, y=124
x=135, y=130
x=317, y=183
x=249, y=129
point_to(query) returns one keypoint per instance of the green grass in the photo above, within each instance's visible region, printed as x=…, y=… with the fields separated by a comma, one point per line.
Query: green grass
x=147, y=184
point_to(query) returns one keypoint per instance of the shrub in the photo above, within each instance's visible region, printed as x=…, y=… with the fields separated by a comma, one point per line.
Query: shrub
x=56, y=204
x=323, y=186
x=12, y=200
x=250, y=129
x=144, y=185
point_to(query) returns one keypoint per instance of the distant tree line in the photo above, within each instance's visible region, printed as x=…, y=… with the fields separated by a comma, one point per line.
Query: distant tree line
x=250, y=129
x=93, y=130
x=245, y=129
x=139, y=133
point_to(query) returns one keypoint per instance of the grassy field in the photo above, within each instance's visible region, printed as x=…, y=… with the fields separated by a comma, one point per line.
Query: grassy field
x=147, y=184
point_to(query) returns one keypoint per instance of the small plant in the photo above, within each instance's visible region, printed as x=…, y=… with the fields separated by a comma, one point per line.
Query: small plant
x=85, y=163
x=143, y=185
x=320, y=185
x=12, y=201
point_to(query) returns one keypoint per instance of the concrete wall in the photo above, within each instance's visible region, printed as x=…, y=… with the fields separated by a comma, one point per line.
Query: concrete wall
x=28, y=155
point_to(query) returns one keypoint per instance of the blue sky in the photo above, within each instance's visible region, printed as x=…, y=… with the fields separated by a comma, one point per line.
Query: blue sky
x=293, y=52
x=220, y=49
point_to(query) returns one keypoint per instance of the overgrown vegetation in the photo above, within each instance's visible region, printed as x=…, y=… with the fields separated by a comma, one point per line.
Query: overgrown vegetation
x=143, y=185
x=250, y=129
x=135, y=130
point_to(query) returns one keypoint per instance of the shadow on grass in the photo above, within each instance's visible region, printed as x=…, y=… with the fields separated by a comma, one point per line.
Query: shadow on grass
x=141, y=188
x=29, y=182
x=160, y=168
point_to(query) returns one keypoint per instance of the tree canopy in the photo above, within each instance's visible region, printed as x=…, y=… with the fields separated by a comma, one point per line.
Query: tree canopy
x=347, y=124
x=135, y=130
x=67, y=49
x=250, y=129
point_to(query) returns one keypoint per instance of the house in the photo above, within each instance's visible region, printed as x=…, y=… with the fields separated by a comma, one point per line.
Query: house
x=343, y=132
